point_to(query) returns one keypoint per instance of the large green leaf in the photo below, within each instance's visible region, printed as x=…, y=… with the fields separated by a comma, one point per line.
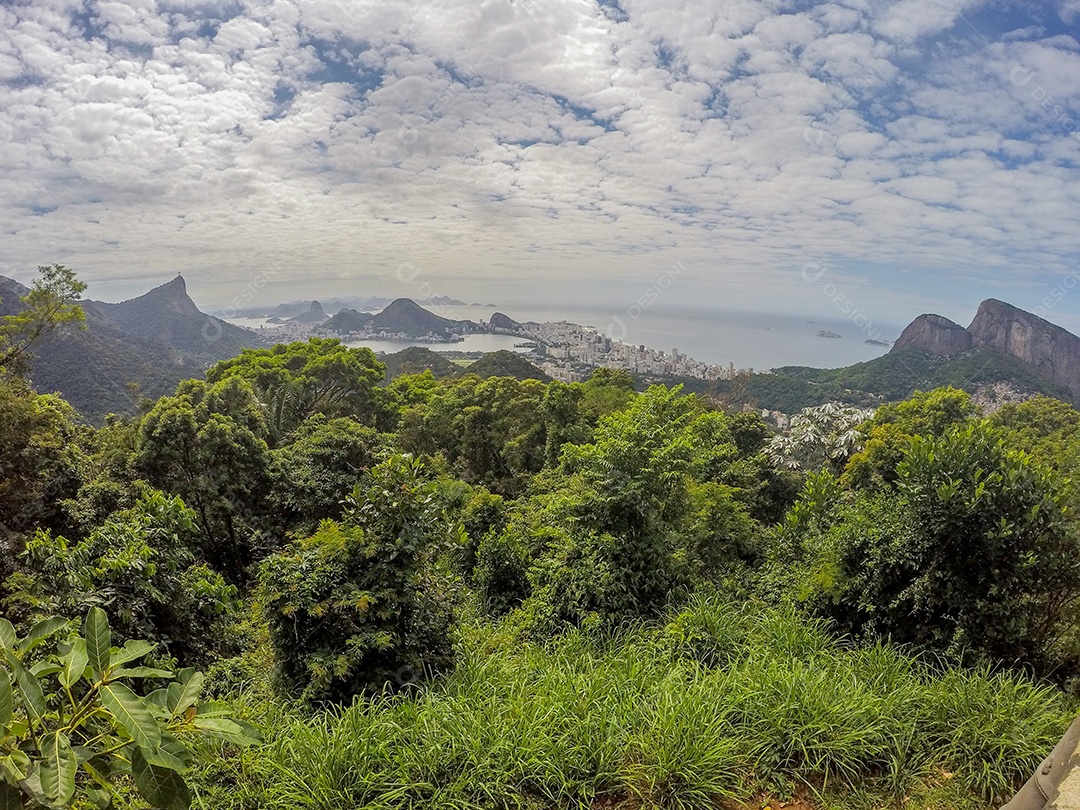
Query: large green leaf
x=58, y=768
x=100, y=797
x=75, y=663
x=7, y=635
x=130, y=711
x=172, y=754
x=226, y=728
x=7, y=702
x=181, y=696
x=165, y=789
x=10, y=797
x=14, y=766
x=44, y=668
x=98, y=639
x=140, y=672
x=131, y=651
x=41, y=631
x=29, y=690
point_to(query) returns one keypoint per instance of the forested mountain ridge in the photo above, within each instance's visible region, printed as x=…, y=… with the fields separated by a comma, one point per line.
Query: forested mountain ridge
x=1053, y=352
x=154, y=341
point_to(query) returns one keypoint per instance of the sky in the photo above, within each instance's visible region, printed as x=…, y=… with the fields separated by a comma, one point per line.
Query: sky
x=884, y=158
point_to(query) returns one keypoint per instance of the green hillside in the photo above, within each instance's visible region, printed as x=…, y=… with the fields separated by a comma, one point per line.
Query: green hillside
x=890, y=378
x=417, y=359
x=505, y=363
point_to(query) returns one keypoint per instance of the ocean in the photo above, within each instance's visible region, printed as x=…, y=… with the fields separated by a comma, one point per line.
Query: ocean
x=757, y=340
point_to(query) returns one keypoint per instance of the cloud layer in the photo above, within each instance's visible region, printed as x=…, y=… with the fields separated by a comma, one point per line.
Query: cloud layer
x=902, y=145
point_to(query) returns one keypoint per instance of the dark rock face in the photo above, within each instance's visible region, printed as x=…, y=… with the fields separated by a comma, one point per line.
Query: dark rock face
x=313, y=315
x=1052, y=351
x=500, y=321
x=934, y=335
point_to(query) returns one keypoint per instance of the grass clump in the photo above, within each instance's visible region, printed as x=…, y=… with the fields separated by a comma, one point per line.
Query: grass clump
x=720, y=702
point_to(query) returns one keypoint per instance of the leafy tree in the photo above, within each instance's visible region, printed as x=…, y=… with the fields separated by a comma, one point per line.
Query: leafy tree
x=297, y=380
x=1046, y=428
x=819, y=437
x=749, y=432
x=139, y=567
x=501, y=573
x=317, y=468
x=563, y=418
x=207, y=445
x=107, y=482
x=40, y=451
x=887, y=432
x=976, y=553
x=363, y=605
x=482, y=514
x=487, y=430
x=72, y=728
x=621, y=531
x=49, y=304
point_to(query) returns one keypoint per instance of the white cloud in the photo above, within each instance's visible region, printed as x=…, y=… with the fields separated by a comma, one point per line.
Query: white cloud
x=523, y=137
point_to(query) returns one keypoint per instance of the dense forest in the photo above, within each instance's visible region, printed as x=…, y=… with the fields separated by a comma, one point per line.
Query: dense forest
x=297, y=584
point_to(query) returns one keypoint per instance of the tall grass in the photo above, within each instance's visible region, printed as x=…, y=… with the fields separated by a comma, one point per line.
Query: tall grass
x=722, y=702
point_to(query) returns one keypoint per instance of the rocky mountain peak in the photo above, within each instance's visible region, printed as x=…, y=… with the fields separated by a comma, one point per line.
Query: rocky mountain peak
x=1052, y=351
x=934, y=335
x=171, y=296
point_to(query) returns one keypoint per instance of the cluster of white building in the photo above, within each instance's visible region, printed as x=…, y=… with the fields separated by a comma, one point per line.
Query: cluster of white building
x=570, y=352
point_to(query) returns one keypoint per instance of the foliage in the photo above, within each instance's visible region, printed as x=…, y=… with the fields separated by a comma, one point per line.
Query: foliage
x=363, y=605
x=49, y=304
x=73, y=728
x=975, y=555
x=505, y=363
x=718, y=701
x=633, y=518
x=895, y=376
x=888, y=431
x=297, y=380
x=316, y=468
x=207, y=445
x=825, y=436
x=40, y=438
x=1046, y=428
x=483, y=514
x=140, y=568
x=487, y=430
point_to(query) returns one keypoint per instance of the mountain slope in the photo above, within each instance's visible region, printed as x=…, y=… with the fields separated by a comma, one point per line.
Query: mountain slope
x=407, y=317
x=154, y=341
x=1051, y=351
x=167, y=316
x=348, y=320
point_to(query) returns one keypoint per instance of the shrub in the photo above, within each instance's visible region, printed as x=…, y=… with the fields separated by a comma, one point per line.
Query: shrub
x=72, y=726
x=364, y=604
x=140, y=568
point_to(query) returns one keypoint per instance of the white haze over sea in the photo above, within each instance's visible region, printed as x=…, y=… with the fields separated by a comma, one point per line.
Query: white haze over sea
x=758, y=340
